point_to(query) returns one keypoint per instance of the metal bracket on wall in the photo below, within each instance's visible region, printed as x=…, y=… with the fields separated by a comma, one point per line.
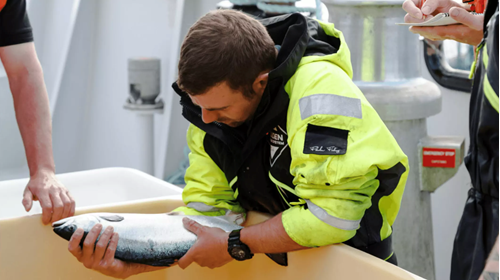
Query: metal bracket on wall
x=439, y=160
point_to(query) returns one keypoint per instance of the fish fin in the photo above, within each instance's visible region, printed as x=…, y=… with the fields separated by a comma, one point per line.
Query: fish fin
x=281, y=259
x=177, y=213
x=112, y=218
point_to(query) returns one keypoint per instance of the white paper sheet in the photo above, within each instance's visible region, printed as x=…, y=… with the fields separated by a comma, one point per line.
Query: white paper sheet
x=438, y=20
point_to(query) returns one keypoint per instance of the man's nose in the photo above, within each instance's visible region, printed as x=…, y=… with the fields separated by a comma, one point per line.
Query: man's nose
x=208, y=116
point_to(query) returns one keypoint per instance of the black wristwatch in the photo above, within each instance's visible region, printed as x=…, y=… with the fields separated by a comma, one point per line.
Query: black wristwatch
x=237, y=249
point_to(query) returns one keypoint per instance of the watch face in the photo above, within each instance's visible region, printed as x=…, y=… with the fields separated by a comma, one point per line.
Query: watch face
x=238, y=253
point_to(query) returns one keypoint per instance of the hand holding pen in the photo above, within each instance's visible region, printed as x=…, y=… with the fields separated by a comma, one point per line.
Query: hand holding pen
x=469, y=31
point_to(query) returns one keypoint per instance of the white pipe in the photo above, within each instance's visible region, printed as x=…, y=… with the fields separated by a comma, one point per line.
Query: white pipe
x=145, y=135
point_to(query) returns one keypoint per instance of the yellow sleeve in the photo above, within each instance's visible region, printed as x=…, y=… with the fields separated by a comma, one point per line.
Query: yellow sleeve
x=207, y=191
x=336, y=189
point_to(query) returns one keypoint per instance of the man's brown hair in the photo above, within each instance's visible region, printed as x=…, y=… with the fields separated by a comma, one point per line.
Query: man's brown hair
x=224, y=46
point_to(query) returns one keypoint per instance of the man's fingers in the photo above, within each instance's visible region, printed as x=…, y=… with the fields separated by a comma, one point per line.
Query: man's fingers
x=110, y=252
x=73, y=204
x=473, y=21
x=429, y=7
x=419, y=29
x=27, y=199
x=432, y=33
x=57, y=206
x=46, y=204
x=74, y=243
x=187, y=259
x=413, y=10
x=66, y=204
x=410, y=19
x=195, y=228
x=192, y=226
x=101, y=246
x=89, y=242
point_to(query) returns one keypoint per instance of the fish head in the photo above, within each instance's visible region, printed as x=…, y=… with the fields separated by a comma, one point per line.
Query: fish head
x=66, y=227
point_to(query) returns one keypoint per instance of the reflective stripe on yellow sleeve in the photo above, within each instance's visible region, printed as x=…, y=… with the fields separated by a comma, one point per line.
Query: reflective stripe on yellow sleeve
x=202, y=207
x=321, y=214
x=322, y=104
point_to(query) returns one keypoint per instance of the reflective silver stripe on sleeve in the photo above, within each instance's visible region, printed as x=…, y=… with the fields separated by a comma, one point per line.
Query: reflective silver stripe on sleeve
x=202, y=207
x=321, y=214
x=330, y=104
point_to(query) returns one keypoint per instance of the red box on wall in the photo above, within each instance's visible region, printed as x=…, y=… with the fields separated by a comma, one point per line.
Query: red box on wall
x=435, y=157
x=438, y=157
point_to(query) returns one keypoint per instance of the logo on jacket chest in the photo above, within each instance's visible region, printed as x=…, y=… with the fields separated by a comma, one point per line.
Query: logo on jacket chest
x=278, y=143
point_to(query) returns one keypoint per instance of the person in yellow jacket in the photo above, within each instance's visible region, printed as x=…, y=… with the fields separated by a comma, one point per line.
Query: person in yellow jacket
x=278, y=126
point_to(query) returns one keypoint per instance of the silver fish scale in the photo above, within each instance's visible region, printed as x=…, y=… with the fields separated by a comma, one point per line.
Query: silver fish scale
x=153, y=239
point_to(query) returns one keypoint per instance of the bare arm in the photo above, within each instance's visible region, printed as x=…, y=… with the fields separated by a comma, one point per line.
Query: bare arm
x=33, y=117
x=31, y=104
x=269, y=237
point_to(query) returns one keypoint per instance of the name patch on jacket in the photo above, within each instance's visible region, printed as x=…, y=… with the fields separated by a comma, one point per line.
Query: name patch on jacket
x=321, y=140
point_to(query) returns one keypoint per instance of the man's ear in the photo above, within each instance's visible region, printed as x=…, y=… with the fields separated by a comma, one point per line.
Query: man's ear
x=260, y=83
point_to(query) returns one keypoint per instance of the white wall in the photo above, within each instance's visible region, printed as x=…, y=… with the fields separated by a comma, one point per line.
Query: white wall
x=85, y=64
x=12, y=157
x=53, y=37
x=71, y=113
x=97, y=65
x=174, y=124
x=123, y=29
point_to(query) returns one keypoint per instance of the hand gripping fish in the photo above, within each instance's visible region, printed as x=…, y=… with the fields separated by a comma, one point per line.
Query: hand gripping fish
x=152, y=239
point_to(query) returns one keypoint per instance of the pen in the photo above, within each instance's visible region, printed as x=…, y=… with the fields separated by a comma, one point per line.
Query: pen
x=421, y=4
x=420, y=7
x=477, y=6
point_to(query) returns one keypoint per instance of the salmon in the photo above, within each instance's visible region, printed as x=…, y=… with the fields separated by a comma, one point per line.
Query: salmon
x=152, y=239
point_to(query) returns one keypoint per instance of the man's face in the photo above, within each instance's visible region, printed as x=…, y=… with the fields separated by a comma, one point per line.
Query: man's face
x=225, y=105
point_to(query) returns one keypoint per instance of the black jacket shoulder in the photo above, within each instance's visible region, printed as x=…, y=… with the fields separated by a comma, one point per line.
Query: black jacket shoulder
x=15, y=26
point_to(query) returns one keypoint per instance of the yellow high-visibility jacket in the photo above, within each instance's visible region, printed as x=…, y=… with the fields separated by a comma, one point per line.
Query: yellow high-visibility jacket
x=316, y=151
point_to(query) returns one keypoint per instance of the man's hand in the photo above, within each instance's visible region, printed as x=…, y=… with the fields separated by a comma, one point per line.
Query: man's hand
x=55, y=200
x=210, y=249
x=470, y=31
x=101, y=256
x=429, y=9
